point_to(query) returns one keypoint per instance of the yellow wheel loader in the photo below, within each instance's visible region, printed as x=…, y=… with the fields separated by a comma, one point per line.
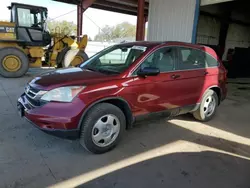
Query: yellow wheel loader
x=25, y=42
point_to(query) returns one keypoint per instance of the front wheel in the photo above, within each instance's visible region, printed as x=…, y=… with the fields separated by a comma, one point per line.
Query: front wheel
x=14, y=62
x=102, y=128
x=207, y=107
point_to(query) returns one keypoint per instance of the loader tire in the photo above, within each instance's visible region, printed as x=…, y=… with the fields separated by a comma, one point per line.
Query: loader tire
x=60, y=57
x=13, y=62
x=74, y=57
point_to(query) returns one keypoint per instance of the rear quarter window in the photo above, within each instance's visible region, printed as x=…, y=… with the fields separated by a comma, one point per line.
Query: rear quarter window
x=211, y=61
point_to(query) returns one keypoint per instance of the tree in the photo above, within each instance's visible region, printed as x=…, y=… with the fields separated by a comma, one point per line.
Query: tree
x=63, y=27
x=104, y=34
x=90, y=39
x=122, y=30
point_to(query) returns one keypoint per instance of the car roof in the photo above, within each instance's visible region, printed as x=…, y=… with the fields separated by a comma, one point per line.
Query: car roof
x=159, y=43
x=141, y=43
x=153, y=44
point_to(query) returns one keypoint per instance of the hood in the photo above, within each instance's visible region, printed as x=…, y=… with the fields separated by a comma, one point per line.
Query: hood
x=68, y=76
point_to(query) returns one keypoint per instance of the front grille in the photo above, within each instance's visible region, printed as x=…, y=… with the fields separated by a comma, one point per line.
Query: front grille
x=32, y=97
x=34, y=89
x=33, y=102
x=31, y=94
x=31, y=91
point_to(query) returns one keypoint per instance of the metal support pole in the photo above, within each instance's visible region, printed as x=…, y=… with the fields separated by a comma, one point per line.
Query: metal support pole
x=140, y=27
x=81, y=8
x=144, y=27
x=79, y=19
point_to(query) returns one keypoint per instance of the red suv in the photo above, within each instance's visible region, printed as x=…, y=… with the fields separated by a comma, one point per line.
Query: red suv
x=107, y=93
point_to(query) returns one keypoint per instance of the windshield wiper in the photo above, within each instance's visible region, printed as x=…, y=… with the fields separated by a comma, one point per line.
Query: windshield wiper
x=90, y=68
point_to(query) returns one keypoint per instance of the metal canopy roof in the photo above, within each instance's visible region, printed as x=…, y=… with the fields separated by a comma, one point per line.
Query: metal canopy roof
x=120, y=6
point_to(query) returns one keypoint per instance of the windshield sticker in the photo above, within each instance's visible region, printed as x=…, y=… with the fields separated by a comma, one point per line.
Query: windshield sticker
x=142, y=48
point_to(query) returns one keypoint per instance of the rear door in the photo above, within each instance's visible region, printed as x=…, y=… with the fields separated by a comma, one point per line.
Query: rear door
x=191, y=71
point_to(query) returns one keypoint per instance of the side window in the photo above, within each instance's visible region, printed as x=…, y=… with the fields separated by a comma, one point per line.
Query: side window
x=24, y=17
x=211, y=62
x=163, y=59
x=191, y=59
x=185, y=52
x=29, y=18
x=36, y=19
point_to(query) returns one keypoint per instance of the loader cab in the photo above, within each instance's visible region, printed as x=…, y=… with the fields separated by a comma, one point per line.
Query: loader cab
x=31, y=26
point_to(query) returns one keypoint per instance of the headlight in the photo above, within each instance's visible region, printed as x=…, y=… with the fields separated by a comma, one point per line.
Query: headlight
x=62, y=94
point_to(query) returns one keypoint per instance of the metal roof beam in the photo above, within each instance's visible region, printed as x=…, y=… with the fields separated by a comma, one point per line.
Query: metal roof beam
x=114, y=9
x=86, y=4
x=119, y=6
x=74, y=2
x=133, y=3
x=108, y=5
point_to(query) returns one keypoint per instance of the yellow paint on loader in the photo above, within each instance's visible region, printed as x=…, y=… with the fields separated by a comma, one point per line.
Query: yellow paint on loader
x=9, y=29
x=8, y=24
x=36, y=51
x=83, y=43
x=76, y=61
x=8, y=36
x=36, y=64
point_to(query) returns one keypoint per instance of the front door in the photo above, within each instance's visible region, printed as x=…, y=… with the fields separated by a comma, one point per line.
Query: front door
x=159, y=93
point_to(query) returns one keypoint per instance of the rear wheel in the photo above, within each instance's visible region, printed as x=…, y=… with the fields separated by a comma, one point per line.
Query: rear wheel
x=13, y=62
x=207, y=107
x=74, y=57
x=102, y=128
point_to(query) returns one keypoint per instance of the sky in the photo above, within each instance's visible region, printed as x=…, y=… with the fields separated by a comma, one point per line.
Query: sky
x=55, y=9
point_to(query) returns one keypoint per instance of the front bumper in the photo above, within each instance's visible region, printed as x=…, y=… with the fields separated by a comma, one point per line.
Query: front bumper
x=68, y=134
x=59, y=119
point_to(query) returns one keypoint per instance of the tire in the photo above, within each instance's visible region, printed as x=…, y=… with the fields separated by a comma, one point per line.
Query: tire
x=60, y=57
x=72, y=55
x=201, y=113
x=91, y=136
x=20, y=67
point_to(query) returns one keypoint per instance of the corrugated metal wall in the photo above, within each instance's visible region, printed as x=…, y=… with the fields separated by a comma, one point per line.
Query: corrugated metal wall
x=208, y=30
x=238, y=36
x=171, y=20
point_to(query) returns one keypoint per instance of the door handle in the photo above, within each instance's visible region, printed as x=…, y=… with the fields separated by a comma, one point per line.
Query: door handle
x=205, y=73
x=175, y=76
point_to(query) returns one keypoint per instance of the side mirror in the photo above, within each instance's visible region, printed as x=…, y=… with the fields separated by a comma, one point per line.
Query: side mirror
x=148, y=71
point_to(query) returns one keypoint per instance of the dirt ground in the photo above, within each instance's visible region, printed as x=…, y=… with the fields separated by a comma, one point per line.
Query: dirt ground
x=175, y=153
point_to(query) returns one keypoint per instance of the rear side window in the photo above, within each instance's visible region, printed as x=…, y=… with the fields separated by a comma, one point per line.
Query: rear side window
x=190, y=59
x=185, y=52
x=211, y=62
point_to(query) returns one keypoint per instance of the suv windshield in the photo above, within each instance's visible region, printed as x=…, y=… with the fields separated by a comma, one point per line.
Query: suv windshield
x=114, y=59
